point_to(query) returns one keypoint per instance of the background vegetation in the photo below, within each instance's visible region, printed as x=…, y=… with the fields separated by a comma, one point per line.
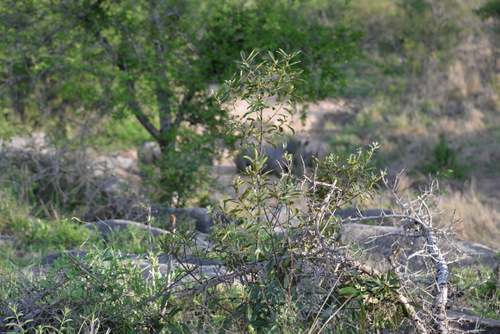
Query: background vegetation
x=418, y=76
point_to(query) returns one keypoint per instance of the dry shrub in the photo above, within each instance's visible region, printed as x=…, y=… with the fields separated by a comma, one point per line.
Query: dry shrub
x=64, y=181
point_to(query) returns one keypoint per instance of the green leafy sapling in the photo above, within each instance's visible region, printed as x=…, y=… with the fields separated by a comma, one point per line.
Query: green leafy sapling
x=269, y=89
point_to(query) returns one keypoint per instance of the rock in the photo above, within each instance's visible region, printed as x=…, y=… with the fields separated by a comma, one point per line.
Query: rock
x=302, y=149
x=114, y=172
x=203, y=220
x=37, y=142
x=281, y=213
x=200, y=218
x=106, y=227
x=201, y=267
x=351, y=212
x=49, y=260
x=360, y=234
x=467, y=255
x=149, y=153
x=115, y=162
x=380, y=248
x=241, y=162
x=470, y=323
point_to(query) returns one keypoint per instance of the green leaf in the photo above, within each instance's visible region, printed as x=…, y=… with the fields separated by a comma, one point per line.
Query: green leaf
x=271, y=55
x=348, y=290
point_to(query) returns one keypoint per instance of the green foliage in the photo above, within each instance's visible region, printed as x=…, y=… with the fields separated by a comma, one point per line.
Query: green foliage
x=130, y=240
x=353, y=175
x=292, y=274
x=99, y=285
x=443, y=161
x=81, y=64
x=13, y=213
x=371, y=299
x=14, y=322
x=70, y=64
x=269, y=25
x=477, y=291
x=278, y=292
x=51, y=236
x=489, y=9
x=269, y=84
x=31, y=235
x=120, y=134
x=406, y=41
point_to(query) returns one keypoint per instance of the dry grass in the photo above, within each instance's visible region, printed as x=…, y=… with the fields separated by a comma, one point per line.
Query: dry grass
x=478, y=221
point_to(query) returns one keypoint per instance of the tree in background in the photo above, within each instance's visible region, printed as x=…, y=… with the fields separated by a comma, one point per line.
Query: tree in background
x=489, y=9
x=413, y=39
x=66, y=62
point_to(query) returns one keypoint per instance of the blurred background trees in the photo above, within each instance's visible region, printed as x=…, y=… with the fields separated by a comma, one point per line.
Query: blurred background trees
x=115, y=74
x=71, y=67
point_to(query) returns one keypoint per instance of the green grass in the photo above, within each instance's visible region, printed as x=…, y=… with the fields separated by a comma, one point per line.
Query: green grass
x=12, y=127
x=478, y=291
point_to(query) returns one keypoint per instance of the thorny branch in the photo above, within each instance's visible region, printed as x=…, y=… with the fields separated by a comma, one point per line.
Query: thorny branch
x=423, y=223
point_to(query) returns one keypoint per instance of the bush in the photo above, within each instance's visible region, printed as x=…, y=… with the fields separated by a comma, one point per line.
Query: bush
x=274, y=268
x=56, y=181
x=443, y=161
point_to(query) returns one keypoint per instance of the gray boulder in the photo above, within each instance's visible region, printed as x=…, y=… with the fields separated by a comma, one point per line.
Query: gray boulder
x=114, y=162
x=379, y=241
x=304, y=149
x=468, y=323
x=200, y=267
x=241, y=162
x=37, y=142
x=379, y=215
x=197, y=218
x=107, y=227
x=149, y=153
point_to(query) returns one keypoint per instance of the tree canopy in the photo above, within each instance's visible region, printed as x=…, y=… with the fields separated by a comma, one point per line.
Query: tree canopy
x=154, y=59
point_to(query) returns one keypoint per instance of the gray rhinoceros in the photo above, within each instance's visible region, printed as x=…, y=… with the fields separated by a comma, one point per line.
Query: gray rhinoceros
x=275, y=162
x=303, y=149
